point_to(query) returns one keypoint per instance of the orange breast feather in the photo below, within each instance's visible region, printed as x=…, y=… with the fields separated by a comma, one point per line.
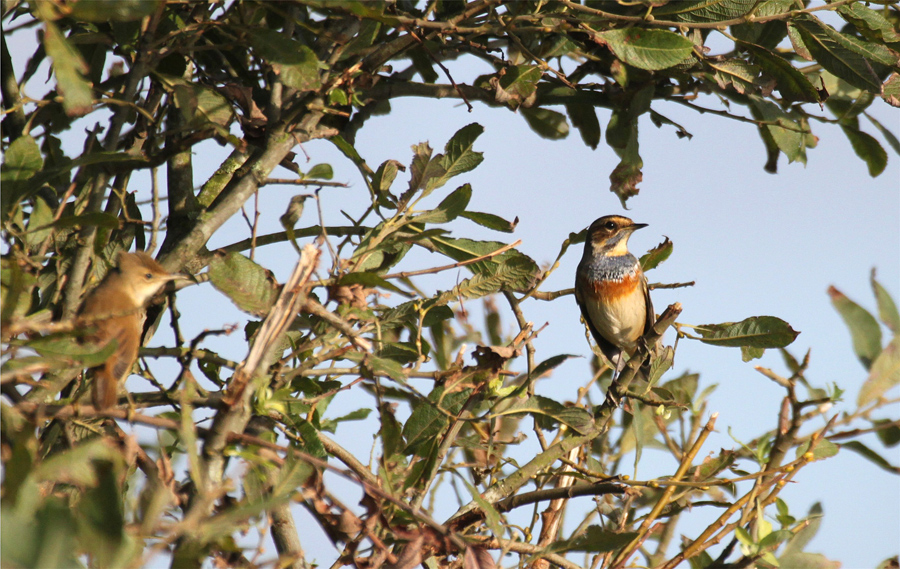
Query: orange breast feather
x=614, y=290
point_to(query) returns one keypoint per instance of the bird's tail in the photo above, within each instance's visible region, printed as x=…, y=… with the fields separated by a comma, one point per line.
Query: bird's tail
x=104, y=389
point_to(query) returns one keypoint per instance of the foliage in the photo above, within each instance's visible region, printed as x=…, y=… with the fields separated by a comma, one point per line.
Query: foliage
x=153, y=80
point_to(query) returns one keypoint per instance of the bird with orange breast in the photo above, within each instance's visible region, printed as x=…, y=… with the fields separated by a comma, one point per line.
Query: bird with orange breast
x=114, y=311
x=611, y=290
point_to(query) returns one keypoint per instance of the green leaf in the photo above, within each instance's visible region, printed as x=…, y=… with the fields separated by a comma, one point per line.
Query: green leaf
x=867, y=148
x=584, y=117
x=824, y=449
x=742, y=76
x=70, y=69
x=250, y=287
x=21, y=161
x=695, y=11
x=891, y=90
x=201, y=106
x=517, y=85
x=350, y=152
x=648, y=49
x=595, y=540
x=60, y=346
x=93, y=219
x=654, y=257
x=756, y=332
x=575, y=417
x=458, y=154
x=385, y=366
x=449, y=209
x=491, y=515
x=864, y=329
x=113, y=10
x=369, y=280
x=330, y=425
x=888, y=135
x=16, y=287
x=391, y=437
x=491, y=221
x=385, y=175
x=804, y=560
x=101, y=513
x=830, y=49
x=748, y=353
x=546, y=123
x=427, y=421
x=793, y=85
x=884, y=374
x=887, y=309
x=660, y=365
x=294, y=62
x=775, y=538
x=804, y=536
x=870, y=51
x=426, y=173
x=38, y=223
x=711, y=467
x=788, y=135
x=320, y=172
x=870, y=23
x=550, y=364
x=871, y=455
x=888, y=432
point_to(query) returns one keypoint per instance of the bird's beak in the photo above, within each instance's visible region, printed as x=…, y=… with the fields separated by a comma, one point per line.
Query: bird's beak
x=636, y=226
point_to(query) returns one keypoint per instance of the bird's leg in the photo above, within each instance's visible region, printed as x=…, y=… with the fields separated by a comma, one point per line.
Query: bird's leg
x=131, y=408
x=618, y=365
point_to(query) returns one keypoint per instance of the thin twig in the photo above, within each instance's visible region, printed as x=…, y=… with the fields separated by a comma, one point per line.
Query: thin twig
x=299, y=182
x=154, y=208
x=405, y=274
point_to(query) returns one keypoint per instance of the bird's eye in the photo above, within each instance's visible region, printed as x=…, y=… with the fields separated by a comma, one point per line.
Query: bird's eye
x=610, y=225
x=149, y=276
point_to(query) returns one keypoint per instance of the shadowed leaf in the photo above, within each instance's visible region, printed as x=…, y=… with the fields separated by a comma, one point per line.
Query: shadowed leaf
x=250, y=287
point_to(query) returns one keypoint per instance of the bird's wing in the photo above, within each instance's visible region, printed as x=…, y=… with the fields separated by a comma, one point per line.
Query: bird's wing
x=650, y=318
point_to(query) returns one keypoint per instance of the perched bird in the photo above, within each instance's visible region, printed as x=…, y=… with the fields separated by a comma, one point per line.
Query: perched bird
x=114, y=310
x=611, y=290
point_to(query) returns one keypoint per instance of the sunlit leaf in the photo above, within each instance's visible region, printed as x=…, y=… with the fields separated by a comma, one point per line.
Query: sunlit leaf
x=491, y=221
x=757, y=331
x=864, y=329
x=648, y=48
x=884, y=374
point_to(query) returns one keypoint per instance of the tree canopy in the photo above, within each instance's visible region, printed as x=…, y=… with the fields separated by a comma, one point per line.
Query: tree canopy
x=142, y=85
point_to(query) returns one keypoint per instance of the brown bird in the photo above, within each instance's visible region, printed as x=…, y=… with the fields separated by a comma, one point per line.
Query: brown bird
x=114, y=310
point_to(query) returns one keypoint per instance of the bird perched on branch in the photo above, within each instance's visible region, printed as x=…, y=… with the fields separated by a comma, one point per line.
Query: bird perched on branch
x=611, y=290
x=114, y=310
